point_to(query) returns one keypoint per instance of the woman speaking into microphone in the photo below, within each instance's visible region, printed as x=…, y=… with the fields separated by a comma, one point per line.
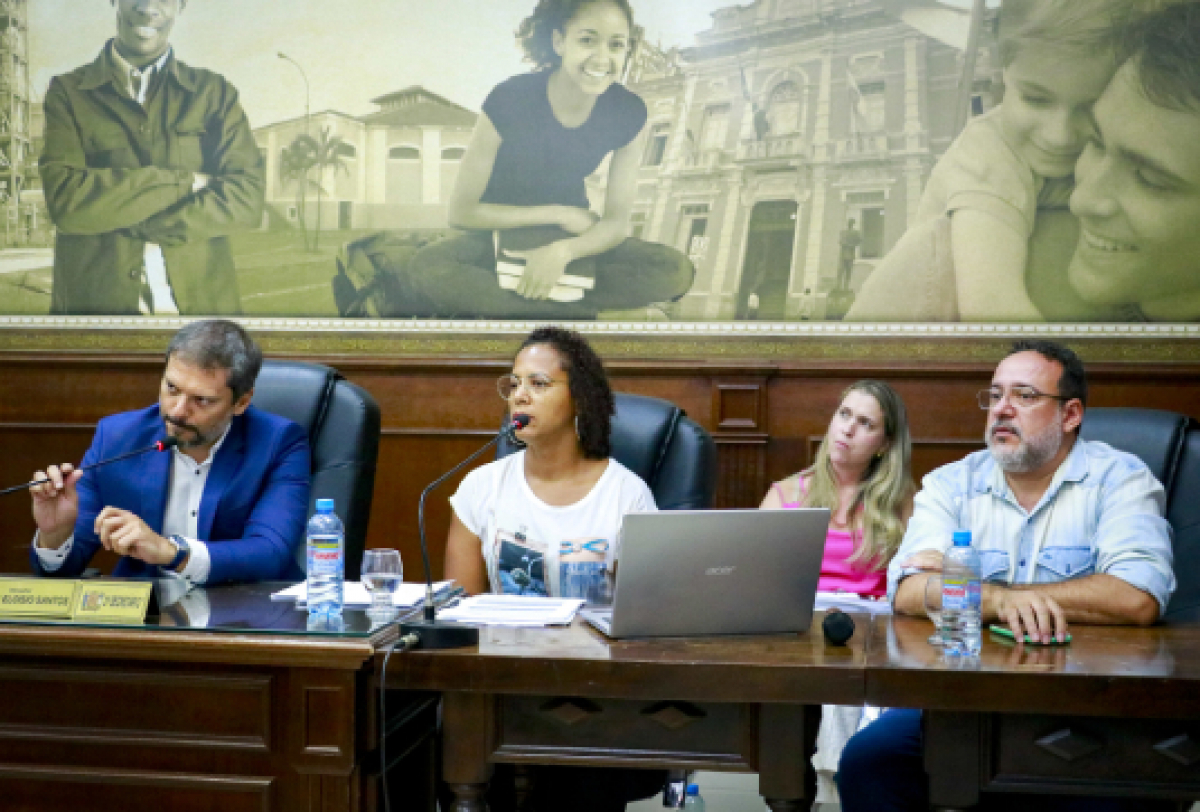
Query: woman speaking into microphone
x=544, y=521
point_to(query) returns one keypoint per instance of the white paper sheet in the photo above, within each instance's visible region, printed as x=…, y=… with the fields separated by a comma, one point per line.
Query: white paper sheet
x=513, y=610
x=356, y=594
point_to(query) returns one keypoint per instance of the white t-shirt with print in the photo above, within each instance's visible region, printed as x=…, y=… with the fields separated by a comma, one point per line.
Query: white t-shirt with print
x=525, y=540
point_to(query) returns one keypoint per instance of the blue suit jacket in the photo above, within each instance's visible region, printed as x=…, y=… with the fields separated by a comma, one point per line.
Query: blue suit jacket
x=252, y=512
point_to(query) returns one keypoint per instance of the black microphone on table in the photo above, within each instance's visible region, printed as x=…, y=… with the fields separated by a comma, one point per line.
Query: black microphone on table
x=837, y=626
x=429, y=631
x=161, y=445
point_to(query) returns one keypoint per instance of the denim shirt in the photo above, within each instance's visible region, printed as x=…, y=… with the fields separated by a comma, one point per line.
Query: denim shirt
x=1103, y=512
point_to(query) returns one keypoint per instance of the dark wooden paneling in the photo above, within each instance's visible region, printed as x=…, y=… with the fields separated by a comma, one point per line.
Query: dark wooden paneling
x=742, y=473
x=236, y=709
x=319, y=718
x=767, y=419
x=115, y=790
x=1057, y=753
x=120, y=719
x=710, y=734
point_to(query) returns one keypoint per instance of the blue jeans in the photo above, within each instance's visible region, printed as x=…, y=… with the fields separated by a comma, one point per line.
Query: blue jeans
x=882, y=770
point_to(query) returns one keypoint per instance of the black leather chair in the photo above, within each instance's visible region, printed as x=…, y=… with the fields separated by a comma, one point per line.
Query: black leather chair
x=342, y=421
x=653, y=438
x=1169, y=444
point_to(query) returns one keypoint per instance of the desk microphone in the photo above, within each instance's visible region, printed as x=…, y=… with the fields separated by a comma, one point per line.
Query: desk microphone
x=161, y=445
x=837, y=626
x=430, y=632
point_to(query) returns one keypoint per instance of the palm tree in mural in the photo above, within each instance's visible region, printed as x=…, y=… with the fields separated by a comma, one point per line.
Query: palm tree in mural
x=295, y=163
x=307, y=155
x=328, y=153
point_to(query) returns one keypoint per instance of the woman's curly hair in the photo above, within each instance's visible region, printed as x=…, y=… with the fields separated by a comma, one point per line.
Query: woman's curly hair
x=536, y=32
x=588, y=384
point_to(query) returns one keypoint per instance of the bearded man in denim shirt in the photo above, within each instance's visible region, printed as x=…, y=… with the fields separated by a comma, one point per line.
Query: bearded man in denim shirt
x=1068, y=531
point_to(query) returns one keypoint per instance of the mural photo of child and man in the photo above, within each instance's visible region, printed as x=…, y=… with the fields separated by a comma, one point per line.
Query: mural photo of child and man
x=1022, y=161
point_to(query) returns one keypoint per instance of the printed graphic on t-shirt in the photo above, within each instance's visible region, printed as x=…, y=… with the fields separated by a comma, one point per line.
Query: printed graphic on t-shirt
x=521, y=564
x=582, y=570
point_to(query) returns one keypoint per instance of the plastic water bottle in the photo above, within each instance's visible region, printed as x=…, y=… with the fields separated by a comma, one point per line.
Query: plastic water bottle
x=961, y=597
x=693, y=801
x=326, y=560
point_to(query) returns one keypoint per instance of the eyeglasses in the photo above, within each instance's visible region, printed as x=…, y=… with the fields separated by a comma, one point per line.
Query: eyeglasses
x=538, y=385
x=1021, y=397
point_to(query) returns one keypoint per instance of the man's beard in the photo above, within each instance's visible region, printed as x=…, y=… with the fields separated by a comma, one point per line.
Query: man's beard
x=196, y=437
x=1032, y=452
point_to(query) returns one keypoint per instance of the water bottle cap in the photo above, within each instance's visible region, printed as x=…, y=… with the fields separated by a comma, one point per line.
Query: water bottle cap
x=962, y=538
x=693, y=789
x=324, y=506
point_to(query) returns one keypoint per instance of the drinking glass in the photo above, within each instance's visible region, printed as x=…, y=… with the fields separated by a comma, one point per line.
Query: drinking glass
x=933, y=606
x=382, y=572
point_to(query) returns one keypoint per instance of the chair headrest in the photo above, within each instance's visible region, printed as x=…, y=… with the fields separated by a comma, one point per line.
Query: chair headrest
x=642, y=430
x=296, y=390
x=1154, y=436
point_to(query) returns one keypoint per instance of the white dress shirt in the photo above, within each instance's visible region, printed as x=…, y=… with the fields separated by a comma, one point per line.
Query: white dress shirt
x=182, y=516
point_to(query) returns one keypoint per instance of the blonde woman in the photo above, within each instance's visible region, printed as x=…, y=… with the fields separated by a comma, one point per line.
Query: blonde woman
x=862, y=474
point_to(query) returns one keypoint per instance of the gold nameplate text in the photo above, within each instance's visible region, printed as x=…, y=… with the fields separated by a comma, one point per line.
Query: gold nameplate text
x=112, y=601
x=37, y=597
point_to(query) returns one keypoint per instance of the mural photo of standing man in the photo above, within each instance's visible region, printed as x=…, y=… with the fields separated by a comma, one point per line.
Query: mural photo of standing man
x=148, y=166
x=849, y=241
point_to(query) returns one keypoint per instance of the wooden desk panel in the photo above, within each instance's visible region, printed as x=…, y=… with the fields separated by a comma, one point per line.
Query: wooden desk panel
x=571, y=696
x=1151, y=673
x=1115, y=713
x=131, y=719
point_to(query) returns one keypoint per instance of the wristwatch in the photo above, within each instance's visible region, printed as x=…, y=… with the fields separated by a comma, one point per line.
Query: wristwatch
x=182, y=548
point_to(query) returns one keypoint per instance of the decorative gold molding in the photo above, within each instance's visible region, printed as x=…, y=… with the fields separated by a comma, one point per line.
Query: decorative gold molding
x=773, y=342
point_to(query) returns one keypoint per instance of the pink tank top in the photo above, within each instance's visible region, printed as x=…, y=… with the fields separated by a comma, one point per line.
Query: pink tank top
x=837, y=573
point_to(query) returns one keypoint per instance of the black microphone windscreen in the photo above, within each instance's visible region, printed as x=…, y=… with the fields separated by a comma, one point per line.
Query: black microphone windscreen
x=167, y=442
x=520, y=421
x=838, y=628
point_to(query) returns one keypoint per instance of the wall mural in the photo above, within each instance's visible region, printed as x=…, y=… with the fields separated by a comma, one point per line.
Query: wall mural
x=777, y=161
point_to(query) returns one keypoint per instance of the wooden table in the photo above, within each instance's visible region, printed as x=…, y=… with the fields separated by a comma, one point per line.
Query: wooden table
x=171, y=719
x=139, y=718
x=1116, y=713
x=570, y=696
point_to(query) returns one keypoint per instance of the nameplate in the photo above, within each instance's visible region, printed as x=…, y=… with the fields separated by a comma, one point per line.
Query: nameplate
x=37, y=597
x=112, y=601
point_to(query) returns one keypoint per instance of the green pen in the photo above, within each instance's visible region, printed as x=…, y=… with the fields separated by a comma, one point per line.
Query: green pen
x=1009, y=637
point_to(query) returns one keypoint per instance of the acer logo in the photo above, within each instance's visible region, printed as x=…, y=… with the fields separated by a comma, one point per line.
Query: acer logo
x=719, y=570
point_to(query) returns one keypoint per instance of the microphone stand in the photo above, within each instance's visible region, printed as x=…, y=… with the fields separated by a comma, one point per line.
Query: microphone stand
x=432, y=633
x=161, y=445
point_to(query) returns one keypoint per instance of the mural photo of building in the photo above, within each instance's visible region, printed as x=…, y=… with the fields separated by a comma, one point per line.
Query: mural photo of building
x=787, y=120
x=787, y=151
x=23, y=214
x=393, y=169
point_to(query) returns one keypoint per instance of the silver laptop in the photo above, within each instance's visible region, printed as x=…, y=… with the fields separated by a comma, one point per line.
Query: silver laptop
x=693, y=572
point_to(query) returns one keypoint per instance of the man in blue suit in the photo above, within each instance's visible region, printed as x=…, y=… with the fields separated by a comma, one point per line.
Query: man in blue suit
x=228, y=504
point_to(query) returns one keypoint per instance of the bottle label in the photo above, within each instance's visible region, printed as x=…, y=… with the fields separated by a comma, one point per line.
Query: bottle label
x=954, y=594
x=324, y=555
